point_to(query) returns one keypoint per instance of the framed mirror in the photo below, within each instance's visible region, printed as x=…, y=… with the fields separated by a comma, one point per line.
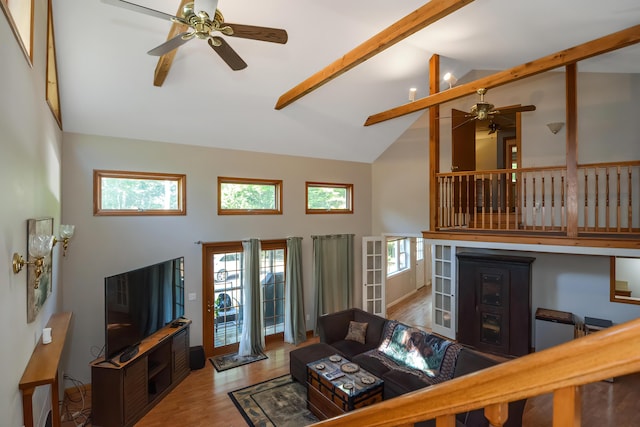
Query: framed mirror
x=625, y=280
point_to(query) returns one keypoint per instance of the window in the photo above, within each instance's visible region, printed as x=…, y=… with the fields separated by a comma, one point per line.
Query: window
x=397, y=255
x=138, y=193
x=53, y=98
x=324, y=198
x=19, y=13
x=241, y=196
x=419, y=249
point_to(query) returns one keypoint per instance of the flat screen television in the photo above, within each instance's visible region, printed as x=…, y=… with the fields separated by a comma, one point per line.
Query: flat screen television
x=140, y=302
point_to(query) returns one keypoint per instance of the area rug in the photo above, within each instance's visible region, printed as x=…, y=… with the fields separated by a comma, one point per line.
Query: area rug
x=280, y=402
x=228, y=361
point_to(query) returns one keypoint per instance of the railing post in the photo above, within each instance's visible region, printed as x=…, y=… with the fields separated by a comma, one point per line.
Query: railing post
x=446, y=421
x=567, y=407
x=497, y=414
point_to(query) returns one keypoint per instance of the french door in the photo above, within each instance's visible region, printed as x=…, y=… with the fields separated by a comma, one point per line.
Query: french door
x=374, y=263
x=443, y=290
x=223, y=293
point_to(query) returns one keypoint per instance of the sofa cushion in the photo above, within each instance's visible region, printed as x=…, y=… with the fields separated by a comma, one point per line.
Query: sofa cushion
x=371, y=364
x=357, y=331
x=349, y=348
x=414, y=348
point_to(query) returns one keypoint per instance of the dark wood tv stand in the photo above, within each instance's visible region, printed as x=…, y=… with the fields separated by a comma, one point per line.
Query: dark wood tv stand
x=122, y=395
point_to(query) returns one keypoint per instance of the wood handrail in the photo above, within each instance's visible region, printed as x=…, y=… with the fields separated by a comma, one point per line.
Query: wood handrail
x=595, y=357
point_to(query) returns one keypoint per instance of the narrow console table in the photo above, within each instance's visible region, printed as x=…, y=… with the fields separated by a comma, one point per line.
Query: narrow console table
x=42, y=368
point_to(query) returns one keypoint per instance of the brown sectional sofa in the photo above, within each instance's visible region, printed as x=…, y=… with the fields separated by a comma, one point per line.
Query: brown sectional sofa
x=381, y=355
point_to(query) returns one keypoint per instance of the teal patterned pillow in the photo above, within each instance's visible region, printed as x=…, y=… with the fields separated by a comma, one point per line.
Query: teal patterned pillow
x=414, y=348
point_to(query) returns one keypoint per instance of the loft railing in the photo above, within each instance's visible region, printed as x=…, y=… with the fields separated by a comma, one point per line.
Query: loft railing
x=560, y=370
x=606, y=199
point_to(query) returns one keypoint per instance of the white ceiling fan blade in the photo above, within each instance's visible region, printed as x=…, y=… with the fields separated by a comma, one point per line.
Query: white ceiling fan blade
x=208, y=6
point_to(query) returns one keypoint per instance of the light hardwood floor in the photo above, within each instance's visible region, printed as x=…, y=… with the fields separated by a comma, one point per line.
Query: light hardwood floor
x=202, y=400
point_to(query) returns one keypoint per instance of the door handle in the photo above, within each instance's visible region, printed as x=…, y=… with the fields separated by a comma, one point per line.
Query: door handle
x=209, y=307
x=454, y=168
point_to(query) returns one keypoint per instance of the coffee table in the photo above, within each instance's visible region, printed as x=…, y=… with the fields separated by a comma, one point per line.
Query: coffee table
x=336, y=385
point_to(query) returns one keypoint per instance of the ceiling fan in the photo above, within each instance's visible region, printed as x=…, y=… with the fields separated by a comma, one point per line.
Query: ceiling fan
x=205, y=21
x=484, y=110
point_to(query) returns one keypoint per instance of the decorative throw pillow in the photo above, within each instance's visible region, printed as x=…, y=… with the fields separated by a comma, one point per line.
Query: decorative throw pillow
x=357, y=331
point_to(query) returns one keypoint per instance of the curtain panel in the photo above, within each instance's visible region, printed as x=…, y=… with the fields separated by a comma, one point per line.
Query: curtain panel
x=295, y=326
x=333, y=272
x=252, y=337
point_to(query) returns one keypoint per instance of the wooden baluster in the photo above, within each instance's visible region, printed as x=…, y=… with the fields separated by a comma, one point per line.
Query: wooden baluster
x=516, y=197
x=562, y=211
x=507, y=199
x=535, y=204
x=608, y=207
x=446, y=421
x=553, y=202
x=618, y=200
x=484, y=200
x=470, y=179
x=460, y=190
x=597, y=192
x=630, y=205
x=497, y=414
x=543, y=213
x=439, y=201
x=491, y=201
x=567, y=407
x=524, y=202
x=474, y=205
x=586, y=199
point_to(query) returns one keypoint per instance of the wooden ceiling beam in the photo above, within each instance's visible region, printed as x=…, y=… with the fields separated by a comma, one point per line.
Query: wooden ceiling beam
x=415, y=21
x=618, y=40
x=165, y=61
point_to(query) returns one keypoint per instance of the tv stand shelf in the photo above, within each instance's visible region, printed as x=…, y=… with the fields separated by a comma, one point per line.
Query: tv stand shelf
x=123, y=392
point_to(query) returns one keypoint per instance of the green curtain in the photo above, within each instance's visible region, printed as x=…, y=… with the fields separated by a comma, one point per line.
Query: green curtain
x=333, y=272
x=295, y=330
x=252, y=337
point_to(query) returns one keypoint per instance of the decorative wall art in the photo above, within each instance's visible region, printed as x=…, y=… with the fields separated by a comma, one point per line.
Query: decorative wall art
x=36, y=296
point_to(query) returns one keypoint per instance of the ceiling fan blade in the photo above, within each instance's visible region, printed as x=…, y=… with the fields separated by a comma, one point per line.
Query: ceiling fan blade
x=171, y=44
x=145, y=10
x=227, y=54
x=464, y=123
x=266, y=34
x=509, y=110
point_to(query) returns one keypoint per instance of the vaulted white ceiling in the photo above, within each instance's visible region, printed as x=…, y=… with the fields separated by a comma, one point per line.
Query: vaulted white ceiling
x=106, y=78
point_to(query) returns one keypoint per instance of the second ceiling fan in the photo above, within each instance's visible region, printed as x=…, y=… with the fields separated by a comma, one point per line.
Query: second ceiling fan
x=206, y=22
x=484, y=110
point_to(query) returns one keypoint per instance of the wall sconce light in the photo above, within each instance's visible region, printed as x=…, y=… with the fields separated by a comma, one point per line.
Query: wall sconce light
x=555, y=127
x=66, y=233
x=451, y=79
x=412, y=94
x=40, y=246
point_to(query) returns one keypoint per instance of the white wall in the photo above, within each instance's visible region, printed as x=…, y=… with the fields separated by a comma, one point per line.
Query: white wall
x=400, y=201
x=104, y=246
x=30, y=146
